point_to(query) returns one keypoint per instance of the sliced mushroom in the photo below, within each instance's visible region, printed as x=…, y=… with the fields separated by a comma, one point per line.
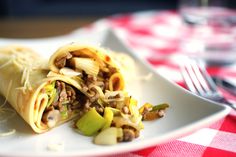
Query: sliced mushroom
x=51, y=118
x=60, y=61
x=90, y=66
x=128, y=135
x=69, y=72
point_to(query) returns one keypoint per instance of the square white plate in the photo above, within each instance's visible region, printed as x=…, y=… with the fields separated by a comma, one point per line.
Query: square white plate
x=187, y=113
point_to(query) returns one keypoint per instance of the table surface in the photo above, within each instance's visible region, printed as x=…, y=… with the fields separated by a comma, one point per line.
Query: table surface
x=42, y=26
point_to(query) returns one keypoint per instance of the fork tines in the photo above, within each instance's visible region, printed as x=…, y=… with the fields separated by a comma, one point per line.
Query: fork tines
x=199, y=82
x=197, y=79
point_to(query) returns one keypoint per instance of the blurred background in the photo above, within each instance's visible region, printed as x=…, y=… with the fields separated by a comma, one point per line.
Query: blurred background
x=23, y=8
x=38, y=18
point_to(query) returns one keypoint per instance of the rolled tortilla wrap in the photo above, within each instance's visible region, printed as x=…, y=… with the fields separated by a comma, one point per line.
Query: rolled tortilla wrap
x=102, y=82
x=43, y=102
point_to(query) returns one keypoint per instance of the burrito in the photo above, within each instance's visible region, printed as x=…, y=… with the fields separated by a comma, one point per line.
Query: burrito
x=88, y=62
x=102, y=81
x=42, y=101
x=93, y=69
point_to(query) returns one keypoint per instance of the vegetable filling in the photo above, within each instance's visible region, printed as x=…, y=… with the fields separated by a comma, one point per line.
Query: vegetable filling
x=105, y=108
x=90, y=71
x=63, y=102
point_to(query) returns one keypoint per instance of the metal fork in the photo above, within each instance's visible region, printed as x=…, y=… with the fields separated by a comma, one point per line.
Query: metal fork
x=199, y=82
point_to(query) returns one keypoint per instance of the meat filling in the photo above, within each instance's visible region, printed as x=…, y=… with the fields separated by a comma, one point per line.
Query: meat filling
x=60, y=62
x=102, y=78
x=65, y=102
x=88, y=83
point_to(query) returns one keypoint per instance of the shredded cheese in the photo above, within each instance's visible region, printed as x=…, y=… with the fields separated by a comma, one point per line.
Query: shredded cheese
x=25, y=79
x=8, y=112
x=19, y=61
x=8, y=91
x=8, y=133
x=22, y=61
x=55, y=146
x=7, y=63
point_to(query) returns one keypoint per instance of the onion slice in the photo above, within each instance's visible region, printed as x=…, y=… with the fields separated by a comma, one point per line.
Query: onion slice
x=69, y=72
x=88, y=65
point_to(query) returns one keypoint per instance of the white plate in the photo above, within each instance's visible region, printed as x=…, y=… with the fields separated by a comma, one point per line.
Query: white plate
x=186, y=113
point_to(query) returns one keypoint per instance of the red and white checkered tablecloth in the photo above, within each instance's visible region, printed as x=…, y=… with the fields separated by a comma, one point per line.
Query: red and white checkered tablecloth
x=156, y=36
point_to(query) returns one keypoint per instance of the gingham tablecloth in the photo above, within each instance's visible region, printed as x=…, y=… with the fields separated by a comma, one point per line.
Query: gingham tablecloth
x=156, y=36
